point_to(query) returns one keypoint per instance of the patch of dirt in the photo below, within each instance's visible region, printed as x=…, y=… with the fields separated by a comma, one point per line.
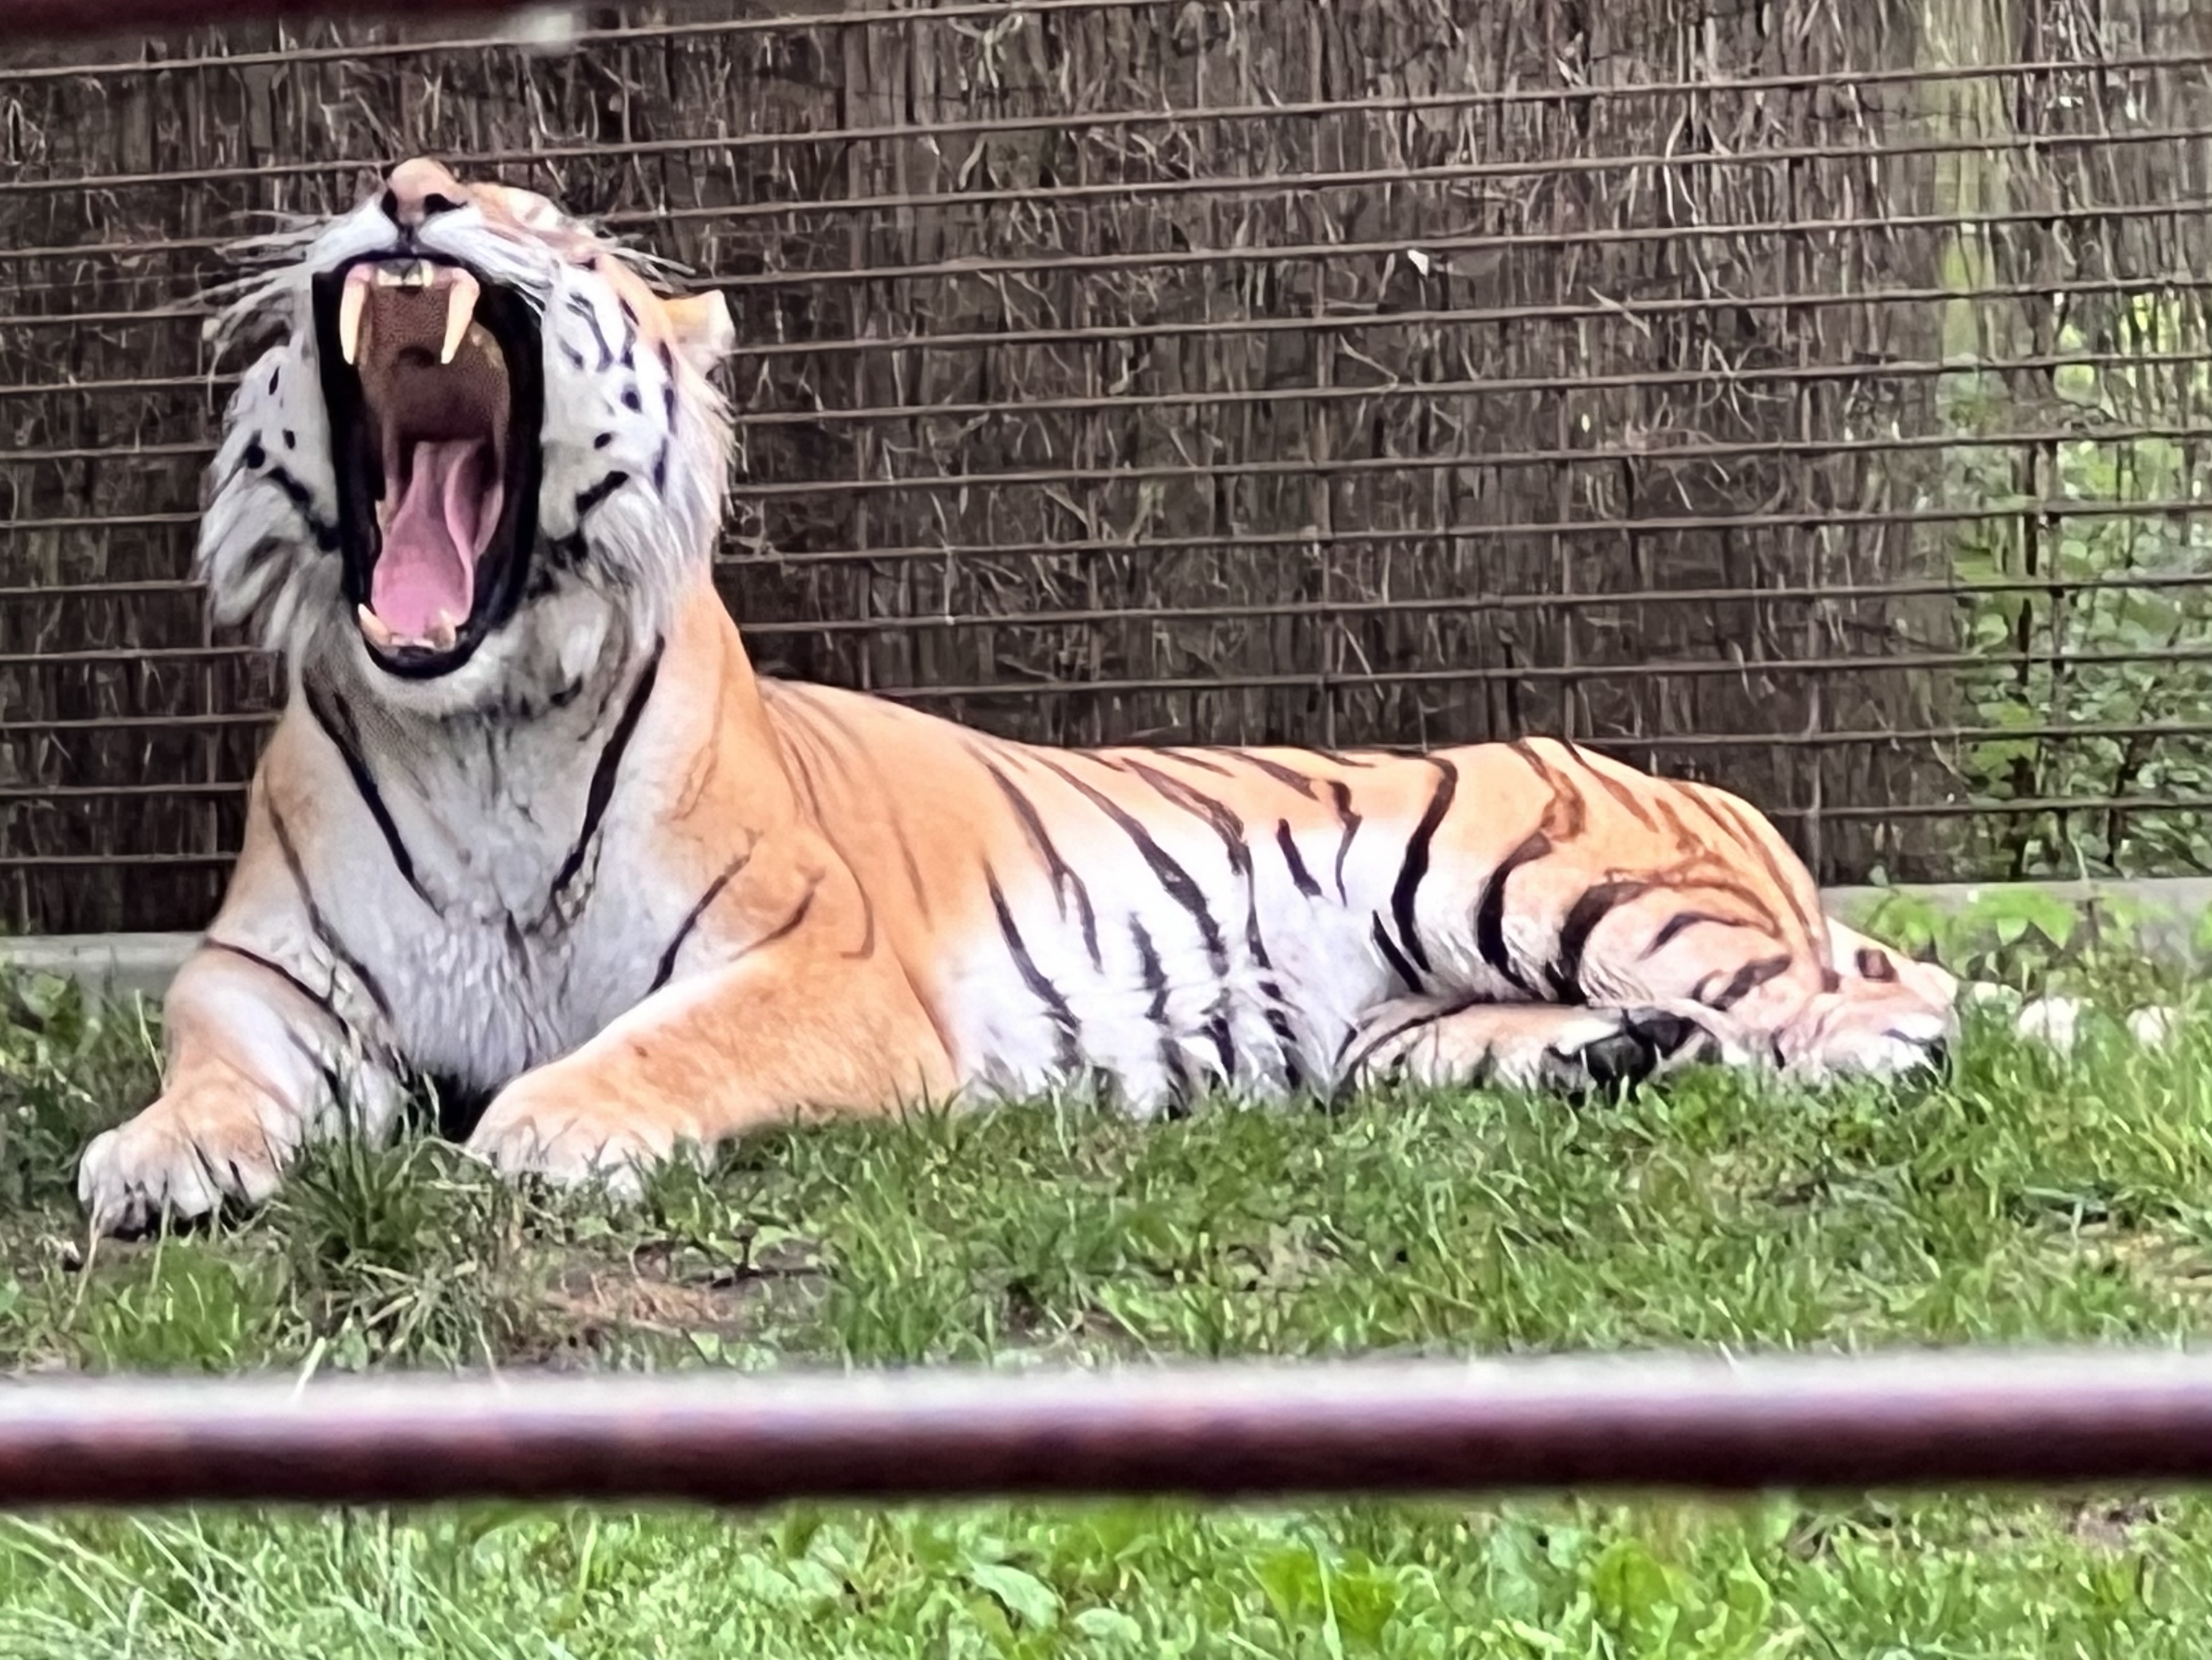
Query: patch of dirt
x=666, y=1291
x=1093, y=1335
x=599, y=1296
x=2109, y=1525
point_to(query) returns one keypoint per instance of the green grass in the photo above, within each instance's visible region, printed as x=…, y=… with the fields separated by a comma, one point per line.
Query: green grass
x=2033, y=1198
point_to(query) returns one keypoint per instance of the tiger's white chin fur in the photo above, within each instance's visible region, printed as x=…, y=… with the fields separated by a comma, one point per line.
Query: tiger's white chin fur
x=543, y=655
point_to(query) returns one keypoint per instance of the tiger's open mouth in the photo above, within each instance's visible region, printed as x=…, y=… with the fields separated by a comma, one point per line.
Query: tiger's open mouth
x=432, y=380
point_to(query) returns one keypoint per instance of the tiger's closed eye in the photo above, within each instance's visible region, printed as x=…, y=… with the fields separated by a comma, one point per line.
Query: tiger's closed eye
x=1875, y=965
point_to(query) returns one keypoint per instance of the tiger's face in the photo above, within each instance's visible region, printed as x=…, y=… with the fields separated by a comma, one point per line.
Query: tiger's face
x=1886, y=1015
x=481, y=443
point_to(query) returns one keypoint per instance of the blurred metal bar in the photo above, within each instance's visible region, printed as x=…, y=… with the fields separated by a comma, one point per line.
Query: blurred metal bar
x=1221, y=1432
x=71, y=19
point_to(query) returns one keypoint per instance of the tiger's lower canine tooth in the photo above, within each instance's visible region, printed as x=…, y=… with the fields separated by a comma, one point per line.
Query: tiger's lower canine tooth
x=461, y=295
x=378, y=630
x=444, y=632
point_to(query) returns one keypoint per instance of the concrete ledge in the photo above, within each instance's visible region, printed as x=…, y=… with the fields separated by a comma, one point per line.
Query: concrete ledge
x=104, y=964
x=2164, y=912
x=2191, y=893
x=2160, y=914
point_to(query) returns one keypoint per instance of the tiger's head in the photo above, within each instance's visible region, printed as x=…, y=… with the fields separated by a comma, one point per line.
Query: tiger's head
x=1885, y=1014
x=482, y=447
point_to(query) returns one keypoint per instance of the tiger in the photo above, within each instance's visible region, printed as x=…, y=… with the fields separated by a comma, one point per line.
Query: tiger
x=529, y=823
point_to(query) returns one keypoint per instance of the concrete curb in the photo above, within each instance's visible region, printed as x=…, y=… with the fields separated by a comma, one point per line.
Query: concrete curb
x=104, y=964
x=2165, y=910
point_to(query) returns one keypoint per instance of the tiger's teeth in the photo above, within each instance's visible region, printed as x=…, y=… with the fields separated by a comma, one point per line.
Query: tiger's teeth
x=444, y=631
x=352, y=305
x=378, y=630
x=414, y=275
x=461, y=295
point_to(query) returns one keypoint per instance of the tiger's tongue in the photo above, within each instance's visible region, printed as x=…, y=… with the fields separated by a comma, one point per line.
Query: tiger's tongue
x=428, y=565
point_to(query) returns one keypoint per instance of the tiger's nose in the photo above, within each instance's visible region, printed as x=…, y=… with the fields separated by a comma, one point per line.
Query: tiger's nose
x=418, y=190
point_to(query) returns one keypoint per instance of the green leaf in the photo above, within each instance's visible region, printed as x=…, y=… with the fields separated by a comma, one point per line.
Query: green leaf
x=1108, y=1626
x=1291, y=1579
x=1514, y=1587
x=753, y=1576
x=1750, y=1599
x=816, y=1580
x=1542, y=1641
x=1366, y=1601
x=1628, y=1583
x=1025, y=1595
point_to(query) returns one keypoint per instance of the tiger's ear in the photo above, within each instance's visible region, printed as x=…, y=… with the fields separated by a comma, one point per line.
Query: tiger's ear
x=704, y=333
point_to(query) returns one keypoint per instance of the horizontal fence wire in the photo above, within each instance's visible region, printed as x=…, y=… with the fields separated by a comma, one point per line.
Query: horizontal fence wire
x=1822, y=414
x=1214, y=1433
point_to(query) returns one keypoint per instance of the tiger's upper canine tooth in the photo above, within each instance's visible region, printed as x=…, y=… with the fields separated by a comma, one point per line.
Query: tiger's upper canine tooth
x=352, y=303
x=461, y=295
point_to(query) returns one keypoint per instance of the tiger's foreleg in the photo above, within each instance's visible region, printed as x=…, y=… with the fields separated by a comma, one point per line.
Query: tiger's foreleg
x=259, y=1060
x=796, y=1028
x=1664, y=980
x=1548, y=1046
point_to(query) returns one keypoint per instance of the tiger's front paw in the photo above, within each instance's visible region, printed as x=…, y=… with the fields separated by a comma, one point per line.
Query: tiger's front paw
x=1645, y=1043
x=182, y=1157
x=569, y=1134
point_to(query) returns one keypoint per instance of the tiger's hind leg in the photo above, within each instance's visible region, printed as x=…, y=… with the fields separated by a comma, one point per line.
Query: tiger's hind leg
x=1522, y=1045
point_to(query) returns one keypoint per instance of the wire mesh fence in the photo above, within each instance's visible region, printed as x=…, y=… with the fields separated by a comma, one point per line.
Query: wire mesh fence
x=1811, y=400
